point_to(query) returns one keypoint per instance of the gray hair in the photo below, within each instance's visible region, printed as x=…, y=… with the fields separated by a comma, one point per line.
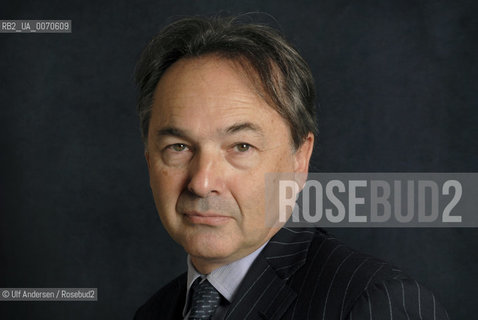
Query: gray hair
x=280, y=74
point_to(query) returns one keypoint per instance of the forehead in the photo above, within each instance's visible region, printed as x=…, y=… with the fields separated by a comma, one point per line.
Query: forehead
x=211, y=88
x=196, y=71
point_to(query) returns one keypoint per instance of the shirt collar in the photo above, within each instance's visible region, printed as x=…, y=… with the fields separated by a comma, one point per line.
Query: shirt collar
x=225, y=279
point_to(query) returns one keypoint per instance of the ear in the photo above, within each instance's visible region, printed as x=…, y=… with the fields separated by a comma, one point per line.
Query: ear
x=303, y=154
x=302, y=158
x=146, y=156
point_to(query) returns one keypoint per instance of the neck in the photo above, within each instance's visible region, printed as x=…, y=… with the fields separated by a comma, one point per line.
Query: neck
x=205, y=267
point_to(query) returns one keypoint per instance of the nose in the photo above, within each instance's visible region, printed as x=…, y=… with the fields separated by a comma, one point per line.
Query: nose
x=206, y=176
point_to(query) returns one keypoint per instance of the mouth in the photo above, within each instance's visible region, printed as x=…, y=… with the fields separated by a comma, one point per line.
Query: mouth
x=206, y=218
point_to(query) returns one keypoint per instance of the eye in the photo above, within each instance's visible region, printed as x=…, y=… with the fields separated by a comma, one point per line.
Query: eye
x=242, y=147
x=178, y=147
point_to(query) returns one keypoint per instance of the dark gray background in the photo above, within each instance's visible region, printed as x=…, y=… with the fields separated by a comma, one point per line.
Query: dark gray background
x=396, y=82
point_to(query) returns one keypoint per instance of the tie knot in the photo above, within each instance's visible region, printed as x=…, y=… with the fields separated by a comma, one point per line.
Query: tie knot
x=205, y=300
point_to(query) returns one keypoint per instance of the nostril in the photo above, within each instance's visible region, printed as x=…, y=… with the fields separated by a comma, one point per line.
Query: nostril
x=197, y=192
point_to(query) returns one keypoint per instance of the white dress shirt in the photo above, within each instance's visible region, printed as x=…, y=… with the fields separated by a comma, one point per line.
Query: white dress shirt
x=225, y=279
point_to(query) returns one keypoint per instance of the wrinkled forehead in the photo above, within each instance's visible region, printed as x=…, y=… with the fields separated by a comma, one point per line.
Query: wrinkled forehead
x=223, y=84
x=218, y=66
x=210, y=92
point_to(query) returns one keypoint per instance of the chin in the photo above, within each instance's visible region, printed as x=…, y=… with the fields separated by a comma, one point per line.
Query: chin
x=207, y=246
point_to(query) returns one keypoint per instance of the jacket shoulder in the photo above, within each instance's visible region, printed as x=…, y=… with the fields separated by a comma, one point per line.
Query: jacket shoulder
x=335, y=276
x=397, y=299
x=166, y=303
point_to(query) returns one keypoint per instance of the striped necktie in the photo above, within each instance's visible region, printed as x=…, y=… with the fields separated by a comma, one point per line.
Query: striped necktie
x=205, y=300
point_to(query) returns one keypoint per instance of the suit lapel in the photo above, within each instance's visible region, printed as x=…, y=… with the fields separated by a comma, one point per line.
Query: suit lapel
x=264, y=293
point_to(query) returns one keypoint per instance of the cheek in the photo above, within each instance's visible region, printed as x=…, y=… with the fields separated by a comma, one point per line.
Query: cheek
x=248, y=191
x=282, y=162
x=167, y=184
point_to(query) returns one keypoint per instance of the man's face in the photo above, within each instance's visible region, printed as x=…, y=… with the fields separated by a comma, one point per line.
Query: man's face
x=211, y=141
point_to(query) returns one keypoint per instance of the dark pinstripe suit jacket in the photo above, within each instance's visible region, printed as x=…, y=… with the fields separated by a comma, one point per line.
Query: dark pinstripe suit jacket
x=308, y=274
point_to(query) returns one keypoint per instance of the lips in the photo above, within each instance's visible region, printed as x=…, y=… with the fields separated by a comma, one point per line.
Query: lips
x=206, y=218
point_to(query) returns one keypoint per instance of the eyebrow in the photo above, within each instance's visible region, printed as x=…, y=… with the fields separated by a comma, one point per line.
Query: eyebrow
x=235, y=128
x=244, y=126
x=171, y=131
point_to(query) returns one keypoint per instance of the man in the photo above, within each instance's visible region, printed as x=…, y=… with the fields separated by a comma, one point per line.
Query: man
x=221, y=105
